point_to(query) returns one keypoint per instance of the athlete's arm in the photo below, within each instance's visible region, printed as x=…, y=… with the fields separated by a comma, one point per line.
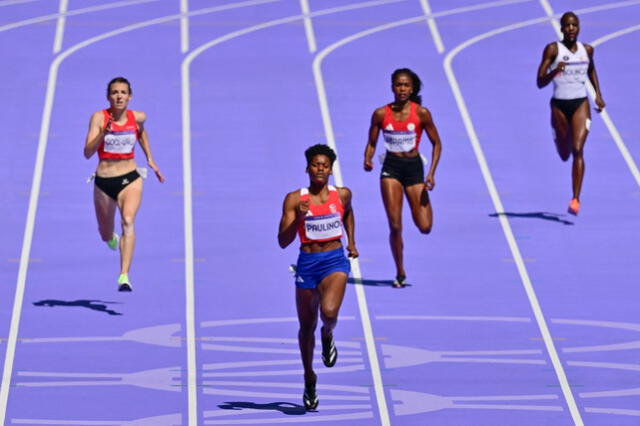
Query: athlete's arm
x=293, y=212
x=431, y=131
x=95, y=134
x=593, y=78
x=548, y=56
x=141, y=117
x=374, y=131
x=349, y=222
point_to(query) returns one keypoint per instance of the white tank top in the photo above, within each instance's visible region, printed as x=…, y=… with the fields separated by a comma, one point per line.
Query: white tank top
x=570, y=84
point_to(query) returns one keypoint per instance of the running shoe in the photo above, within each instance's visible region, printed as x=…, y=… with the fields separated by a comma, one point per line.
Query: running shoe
x=124, y=284
x=329, y=352
x=399, y=282
x=574, y=207
x=310, y=397
x=113, y=242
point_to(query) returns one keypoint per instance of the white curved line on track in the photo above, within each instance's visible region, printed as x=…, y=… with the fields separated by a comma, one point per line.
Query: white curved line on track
x=184, y=26
x=431, y=22
x=613, y=130
x=308, y=26
x=62, y=18
x=14, y=2
x=35, y=192
x=506, y=227
x=45, y=18
x=479, y=155
x=186, y=130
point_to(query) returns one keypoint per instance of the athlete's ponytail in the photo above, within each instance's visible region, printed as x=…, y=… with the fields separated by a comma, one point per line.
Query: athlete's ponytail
x=415, y=82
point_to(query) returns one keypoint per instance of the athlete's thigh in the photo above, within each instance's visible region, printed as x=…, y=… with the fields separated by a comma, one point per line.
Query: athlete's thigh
x=105, y=206
x=332, y=289
x=129, y=198
x=580, y=126
x=420, y=204
x=307, y=302
x=562, y=132
x=391, y=190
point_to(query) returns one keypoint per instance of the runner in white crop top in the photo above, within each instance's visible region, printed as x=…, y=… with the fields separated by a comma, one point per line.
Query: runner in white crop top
x=568, y=64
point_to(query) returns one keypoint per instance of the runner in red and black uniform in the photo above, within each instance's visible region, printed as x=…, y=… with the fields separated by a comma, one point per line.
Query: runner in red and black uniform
x=113, y=134
x=402, y=123
x=318, y=214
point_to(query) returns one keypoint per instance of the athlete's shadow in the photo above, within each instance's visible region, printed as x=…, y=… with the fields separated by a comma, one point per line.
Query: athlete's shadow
x=376, y=283
x=553, y=217
x=288, y=408
x=95, y=305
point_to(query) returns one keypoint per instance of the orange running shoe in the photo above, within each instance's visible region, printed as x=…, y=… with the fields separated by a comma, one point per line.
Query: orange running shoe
x=574, y=207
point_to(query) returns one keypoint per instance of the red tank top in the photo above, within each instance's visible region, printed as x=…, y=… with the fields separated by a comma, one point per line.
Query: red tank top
x=119, y=142
x=323, y=222
x=401, y=136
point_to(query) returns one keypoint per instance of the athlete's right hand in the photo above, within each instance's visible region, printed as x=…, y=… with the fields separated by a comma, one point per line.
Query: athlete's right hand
x=303, y=208
x=560, y=68
x=107, y=126
x=368, y=165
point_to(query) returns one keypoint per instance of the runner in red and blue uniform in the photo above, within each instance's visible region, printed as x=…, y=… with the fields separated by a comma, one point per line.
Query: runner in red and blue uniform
x=113, y=134
x=402, y=123
x=319, y=215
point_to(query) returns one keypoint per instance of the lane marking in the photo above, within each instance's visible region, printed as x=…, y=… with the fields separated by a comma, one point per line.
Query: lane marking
x=14, y=2
x=184, y=26
x=62, y=18
x=435, y=34
x=613, y=130
x=44, y=18
x=36, y=183
x=308, y=26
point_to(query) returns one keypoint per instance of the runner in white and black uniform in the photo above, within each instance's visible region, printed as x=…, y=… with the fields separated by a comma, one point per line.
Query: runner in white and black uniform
x=568, y=63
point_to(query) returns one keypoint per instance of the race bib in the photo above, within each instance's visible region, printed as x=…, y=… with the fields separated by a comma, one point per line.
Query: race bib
x=399, y=141
x=323, y=227
x=119, y=142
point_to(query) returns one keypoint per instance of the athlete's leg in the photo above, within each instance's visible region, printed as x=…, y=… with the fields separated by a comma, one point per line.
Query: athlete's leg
x=105, y=208
x=392, y=197
x=420, y=207
x=562, y=133
x=307, y=302
x=128, y=202
x=580, y=130
x=331, y=290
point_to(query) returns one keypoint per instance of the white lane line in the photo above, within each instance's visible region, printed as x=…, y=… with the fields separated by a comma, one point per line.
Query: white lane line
x=14, y=2
x=62, y=17
x=506, y=228
x=45, y=18
x=308, y=26
x=383, y=410
x=329, y=131
x=37, y=178
x=613, y=130
x=184, y=26
x=435, y=34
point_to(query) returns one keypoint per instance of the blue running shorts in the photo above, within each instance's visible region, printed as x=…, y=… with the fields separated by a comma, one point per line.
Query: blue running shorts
x=312, y=268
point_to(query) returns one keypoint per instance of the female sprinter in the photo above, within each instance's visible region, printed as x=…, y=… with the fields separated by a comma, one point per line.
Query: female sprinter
x=113, y=133
x=568, y=63
x=318, y=214
x=402, y=123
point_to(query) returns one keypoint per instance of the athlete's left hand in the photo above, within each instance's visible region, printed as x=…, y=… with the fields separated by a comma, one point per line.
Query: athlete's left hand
x=599, y=104
x=352, y=252
x=429, y=183
x=156, y=170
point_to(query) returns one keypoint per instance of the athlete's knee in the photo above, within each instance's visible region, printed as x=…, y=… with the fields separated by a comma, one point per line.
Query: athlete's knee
x=395, y=226
x=307, y=328
x=127, y=225
x=425, y=228
x=577, y=153
x=106, y=232
x=329, y=314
